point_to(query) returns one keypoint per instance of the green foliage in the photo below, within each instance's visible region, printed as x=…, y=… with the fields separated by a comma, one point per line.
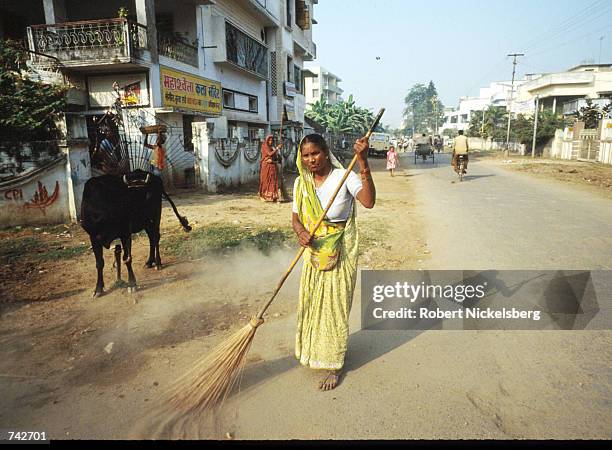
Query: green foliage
x=215, y=238
x=36, y=249
x=423, y=107
x=342, y=117
x=28, y=109
x=590, y=115
x=450, y=132
x=494, y=125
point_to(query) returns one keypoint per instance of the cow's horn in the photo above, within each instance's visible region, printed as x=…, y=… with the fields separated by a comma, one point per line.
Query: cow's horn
x=147, y=179
x=125, y=179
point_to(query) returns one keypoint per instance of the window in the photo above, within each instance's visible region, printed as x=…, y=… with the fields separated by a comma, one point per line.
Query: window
x=289, y=68
x=302, y=14
x=228, y=99
x=453, y=119
x=253, y=104
x=315, y=93
x=289, y=21
x=253, y=134
x=297, y=78
x=245, y=51
x=239, y=101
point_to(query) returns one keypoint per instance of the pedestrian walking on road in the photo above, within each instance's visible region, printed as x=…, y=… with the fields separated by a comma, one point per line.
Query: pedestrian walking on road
x=392, y=160
x=330, y=259
x=269, y=171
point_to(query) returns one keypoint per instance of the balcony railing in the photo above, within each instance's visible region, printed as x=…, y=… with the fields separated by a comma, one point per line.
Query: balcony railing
x=176, y=48
x=245, y=52
x=91, y=42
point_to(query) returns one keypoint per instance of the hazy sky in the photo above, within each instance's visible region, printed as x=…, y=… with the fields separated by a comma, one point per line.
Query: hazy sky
x=461, y=45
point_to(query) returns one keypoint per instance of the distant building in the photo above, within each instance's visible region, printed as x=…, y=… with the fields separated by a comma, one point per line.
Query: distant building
x=496, y=94
x=565, y=92
x=324, y=83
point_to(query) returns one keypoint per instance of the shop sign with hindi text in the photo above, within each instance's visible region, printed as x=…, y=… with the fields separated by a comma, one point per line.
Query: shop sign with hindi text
x=183, y=91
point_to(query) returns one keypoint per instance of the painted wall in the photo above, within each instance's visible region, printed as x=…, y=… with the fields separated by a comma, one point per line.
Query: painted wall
x=38, y=198
x=210, y=154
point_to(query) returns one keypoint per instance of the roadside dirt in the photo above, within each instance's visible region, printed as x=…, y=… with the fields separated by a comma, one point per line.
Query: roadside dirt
x=594, y=177
x=55, y=339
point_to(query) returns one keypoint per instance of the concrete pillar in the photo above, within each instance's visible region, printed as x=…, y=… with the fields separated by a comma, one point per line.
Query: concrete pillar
x=78, y=163
x=145, y=15
x=554, y=107
x=55, y=11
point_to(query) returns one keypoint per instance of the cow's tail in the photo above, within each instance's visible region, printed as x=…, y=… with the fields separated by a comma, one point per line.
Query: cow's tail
x=182, y=219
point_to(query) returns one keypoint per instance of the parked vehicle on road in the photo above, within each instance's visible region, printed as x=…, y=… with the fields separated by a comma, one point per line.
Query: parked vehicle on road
x=379, y=144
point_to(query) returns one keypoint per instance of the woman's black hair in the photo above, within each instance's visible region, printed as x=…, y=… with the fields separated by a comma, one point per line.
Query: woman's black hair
x=318, y=140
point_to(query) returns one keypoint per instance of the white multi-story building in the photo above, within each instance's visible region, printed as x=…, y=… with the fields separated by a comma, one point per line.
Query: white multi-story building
x=565, y=92
x=223, y=69
x=496, y=94
x=322, y=83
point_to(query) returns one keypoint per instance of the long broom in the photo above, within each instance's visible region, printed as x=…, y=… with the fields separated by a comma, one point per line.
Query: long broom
x=284, y=195
x=211, y=380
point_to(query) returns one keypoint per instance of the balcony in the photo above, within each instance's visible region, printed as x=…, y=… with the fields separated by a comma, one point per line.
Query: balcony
x=177, y=48
x=558, y=80
x=238, y=50
x=573, y=106
x=89, y=43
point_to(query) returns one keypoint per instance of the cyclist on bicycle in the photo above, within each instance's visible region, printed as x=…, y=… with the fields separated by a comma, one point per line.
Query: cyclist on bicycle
x=460, y=147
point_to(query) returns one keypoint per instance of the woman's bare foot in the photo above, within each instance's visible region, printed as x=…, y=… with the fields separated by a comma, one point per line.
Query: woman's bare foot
x=330, y=381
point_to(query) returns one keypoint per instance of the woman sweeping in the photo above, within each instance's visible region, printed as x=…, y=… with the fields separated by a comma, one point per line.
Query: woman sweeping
x=330, y=260
x=268, y=172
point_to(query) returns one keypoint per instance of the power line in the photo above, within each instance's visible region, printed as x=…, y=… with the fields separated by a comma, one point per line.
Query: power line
x=564, y=25
x=580, y=22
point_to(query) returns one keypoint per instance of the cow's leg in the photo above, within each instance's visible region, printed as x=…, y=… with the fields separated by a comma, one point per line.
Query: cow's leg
x=151, y=259
x=118, y=262
x=127, y=259
x=158, y=263
x=97, y=249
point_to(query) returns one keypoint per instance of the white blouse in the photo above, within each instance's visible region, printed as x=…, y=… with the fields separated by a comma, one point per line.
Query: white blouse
x=341, y=208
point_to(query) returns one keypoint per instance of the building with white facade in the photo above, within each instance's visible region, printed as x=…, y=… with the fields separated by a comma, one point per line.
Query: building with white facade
x=496, y=94
x=324, y=83
x=218, y=73
x=565, y=92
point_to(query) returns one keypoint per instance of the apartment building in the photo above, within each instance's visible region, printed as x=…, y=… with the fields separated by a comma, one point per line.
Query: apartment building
x=217, y=73
x=322, y=82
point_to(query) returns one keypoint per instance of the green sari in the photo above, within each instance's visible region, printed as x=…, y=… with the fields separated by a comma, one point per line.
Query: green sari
x=325, y=296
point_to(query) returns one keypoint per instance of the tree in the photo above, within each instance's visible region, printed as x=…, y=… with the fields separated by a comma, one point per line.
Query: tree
x=342, y=117
x=423, y=108
x=493, y=126
x=28, y=109
x=590, y=115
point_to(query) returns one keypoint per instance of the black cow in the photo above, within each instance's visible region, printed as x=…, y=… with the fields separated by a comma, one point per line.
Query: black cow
x=114, y=207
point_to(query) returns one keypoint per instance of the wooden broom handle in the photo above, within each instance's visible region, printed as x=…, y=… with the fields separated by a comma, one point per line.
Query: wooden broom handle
x=320, y=221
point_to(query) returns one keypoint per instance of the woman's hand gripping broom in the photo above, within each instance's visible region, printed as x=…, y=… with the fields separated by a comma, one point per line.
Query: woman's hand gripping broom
x=212, y=379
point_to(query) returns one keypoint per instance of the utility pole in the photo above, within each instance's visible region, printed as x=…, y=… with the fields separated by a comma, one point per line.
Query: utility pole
x=434, y=104
x=535, y=125
x=600, y=41
x=514, y=55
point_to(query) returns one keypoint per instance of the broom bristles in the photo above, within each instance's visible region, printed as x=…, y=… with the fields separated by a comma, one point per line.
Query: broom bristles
x=208, y=384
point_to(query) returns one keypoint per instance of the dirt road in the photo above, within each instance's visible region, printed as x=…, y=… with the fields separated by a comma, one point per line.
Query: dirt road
x=60, y=373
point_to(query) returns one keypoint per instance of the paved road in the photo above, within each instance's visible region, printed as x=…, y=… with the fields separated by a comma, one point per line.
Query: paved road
x=457, y=384
x=508, y=220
